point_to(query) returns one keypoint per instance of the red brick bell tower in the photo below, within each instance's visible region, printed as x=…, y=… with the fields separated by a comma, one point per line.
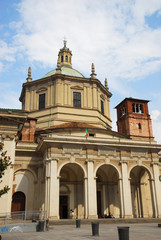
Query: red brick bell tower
x=133, y=119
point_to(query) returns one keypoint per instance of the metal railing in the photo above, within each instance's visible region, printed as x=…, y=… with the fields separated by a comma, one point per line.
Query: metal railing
x=22, y=216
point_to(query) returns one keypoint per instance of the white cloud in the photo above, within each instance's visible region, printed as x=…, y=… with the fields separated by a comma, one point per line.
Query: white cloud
x=156, y=123
x=6, y=52
x=9, y=97
x=112, y=34
x=155, y=114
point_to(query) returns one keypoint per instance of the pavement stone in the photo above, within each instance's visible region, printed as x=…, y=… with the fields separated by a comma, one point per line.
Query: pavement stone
x=149, y=231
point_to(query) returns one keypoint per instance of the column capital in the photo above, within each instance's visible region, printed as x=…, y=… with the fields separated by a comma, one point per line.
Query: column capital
x=123, y=161
x=51, y=159
x=155, y=163
x=90, y=160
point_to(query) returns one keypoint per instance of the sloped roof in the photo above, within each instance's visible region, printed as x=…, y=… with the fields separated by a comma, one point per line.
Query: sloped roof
x=69, y=125
x=66, y=70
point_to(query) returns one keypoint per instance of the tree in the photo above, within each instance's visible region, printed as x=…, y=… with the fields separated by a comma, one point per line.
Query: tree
x=4, y=163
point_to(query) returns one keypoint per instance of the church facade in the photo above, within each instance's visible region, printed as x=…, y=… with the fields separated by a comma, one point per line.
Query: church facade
x=67, y=161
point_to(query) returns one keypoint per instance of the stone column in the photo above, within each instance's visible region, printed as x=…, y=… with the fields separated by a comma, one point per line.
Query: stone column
x=140, y=209
x=39, y=188
x=89, y=98
x=48, y=95
x=69, y=92
x=65, y=93
x=27, y=100
x=35, y=100
x=52, y=191
x=9, y=146
x=51, y=94
x=157, y=185
x=85, y=198
x=85, y=96
x=105, y=108
x=94, y=96
x=32, y=100
x=104, y=199
x=127, y=205
x=154, y=198
x=47, y=190
x=92, y=206
x=58, y=92
x=121, y=198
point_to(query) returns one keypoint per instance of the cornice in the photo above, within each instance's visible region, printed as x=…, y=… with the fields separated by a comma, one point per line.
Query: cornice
x=109, y=142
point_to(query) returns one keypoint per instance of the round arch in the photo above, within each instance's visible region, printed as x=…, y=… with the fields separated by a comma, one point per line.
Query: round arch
x=108, y=190
x=69, y=162
x=110, y=164
x=22, y=170
x=142, y=165
x=71, y=190
x=142, y=199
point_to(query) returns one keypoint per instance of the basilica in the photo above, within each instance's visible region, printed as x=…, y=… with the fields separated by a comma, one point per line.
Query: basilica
x=66, y=159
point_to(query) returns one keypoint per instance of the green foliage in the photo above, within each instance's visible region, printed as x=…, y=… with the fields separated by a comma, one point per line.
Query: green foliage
x=4, y=163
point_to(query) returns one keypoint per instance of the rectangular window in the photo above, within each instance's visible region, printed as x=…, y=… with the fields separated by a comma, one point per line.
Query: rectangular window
x=91, y=134
x=42, y=101
x=102, y=107
x=77, y=99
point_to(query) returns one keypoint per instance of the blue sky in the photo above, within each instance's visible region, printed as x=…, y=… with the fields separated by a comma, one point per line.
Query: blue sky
x=122, y=39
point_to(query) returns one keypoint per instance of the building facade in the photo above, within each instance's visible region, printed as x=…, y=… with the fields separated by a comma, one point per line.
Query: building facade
x=67, y=161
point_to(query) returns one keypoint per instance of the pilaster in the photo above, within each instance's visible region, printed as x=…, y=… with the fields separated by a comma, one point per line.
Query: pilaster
x=127, y=204
x=157, y=187
x=52, y=189
x=94, y=96
x=92, y=205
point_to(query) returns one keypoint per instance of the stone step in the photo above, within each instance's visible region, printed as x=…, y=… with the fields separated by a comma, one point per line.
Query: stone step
x=105, y=221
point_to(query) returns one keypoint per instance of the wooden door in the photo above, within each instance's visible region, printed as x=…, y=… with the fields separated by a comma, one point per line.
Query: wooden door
x=18, y=202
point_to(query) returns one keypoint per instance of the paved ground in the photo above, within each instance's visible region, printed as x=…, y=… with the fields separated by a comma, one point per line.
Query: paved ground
x=142, y=231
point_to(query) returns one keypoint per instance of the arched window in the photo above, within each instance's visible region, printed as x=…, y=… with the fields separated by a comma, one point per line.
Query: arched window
x=62, y=59
x=139, y=125
x=141, y=108
x=137, y=108
x=66, y=58
x=122, y=111
x=18, y=202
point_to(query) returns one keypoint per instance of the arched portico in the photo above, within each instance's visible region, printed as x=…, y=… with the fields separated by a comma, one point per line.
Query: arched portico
x=141, y=192
x=108, y=191
x=71, y=194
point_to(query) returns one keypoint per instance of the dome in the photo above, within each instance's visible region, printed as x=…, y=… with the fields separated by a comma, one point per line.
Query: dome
x=65, y=70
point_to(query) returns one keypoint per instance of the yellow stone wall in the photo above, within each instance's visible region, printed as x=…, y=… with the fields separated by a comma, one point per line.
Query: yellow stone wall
x=59, y=101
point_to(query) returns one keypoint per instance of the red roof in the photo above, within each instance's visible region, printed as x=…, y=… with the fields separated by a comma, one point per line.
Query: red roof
x=70, y=125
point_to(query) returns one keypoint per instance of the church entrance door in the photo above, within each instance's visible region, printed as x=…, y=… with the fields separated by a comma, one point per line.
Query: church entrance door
x=18, y=202
x=99, y=212
x=63, y=210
